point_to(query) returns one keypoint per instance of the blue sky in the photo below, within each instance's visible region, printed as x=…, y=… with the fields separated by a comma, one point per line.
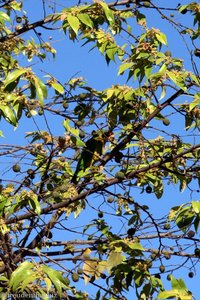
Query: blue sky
x=73, y=59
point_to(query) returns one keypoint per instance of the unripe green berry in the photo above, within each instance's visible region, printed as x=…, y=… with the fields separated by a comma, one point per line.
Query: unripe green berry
x=166, y=122
x=75, y=277
x=16, y=168
x=119, y=175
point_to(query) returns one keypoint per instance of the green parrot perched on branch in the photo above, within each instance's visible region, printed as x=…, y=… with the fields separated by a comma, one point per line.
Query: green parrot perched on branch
x=92, y=152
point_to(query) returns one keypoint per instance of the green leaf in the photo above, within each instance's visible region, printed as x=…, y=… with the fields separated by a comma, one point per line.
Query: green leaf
x=111, y=51
x=141, y=19
x=3, y=201
x=4, y=296
x=177, y=80
x=58, y=87
x=168, y=295
x=184, y=219
x=183, y=7
x=178, y=284
x=196, y=206
x=108, y=13
x=162, y=69
x=4, y=17
x=89, y=270
x=77, y=141
x=32, y=91
x=8, y=115
x=179, y=291
x=34, y=204
x=85, y=19
x=135, y=246
x=3, y=278
x=32, y=276
x=114, y=259
x=11, y=86
x=163, y=92
x=56, y=278
x=195, y=102
x=40, y=89
x=196, y=223
x=21, y=272
x=161, y=37
x=124, y=67
x=13, y=76
x=18, y=109
x=66, y=124
x=48, y=284
x=73, y=23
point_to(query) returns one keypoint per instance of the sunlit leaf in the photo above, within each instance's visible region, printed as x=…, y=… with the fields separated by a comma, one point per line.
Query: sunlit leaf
x=108, y=12
x=40, y=89
x=23, y=271
x=74, y=22
x=13, y=76
x=48, y=284
x=8, y=114
x=58, y=87
x=114, y=259
x=196, y=206
x=195, y=102
x=162, y=38
x=124, y=67
x=32, y=276
x=56, y=278
x=34, y=203
x=85, y=19
x=4, y=17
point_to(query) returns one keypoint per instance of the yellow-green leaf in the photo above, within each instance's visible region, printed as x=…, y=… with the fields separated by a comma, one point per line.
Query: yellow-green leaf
x=41, y=89
x=4, y=17
x=66, y=124
x=89, y=270
x=21, y=272
x=108, y=13
x=56, y=278
x=34, y=204
x=58, y=87
x=161, y=37
x=48, y=284
x=196, y=206
x=74, y=23
x=8, y=114
x=124, y=67
x=195, y=102
x=32, y=276
x=114, y=259
x=13, y=76
x=85, y=19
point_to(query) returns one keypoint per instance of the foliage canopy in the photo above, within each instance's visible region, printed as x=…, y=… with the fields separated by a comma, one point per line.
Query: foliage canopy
x=76, y=189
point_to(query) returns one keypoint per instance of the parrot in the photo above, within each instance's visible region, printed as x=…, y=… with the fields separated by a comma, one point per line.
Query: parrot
x=92, y=151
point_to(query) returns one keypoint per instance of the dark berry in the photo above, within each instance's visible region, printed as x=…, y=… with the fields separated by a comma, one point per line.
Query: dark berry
x=191, y=274
x=18, y=19
x=100, y=214
x=148, y=189
x=131, y=231
x=191, y=234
